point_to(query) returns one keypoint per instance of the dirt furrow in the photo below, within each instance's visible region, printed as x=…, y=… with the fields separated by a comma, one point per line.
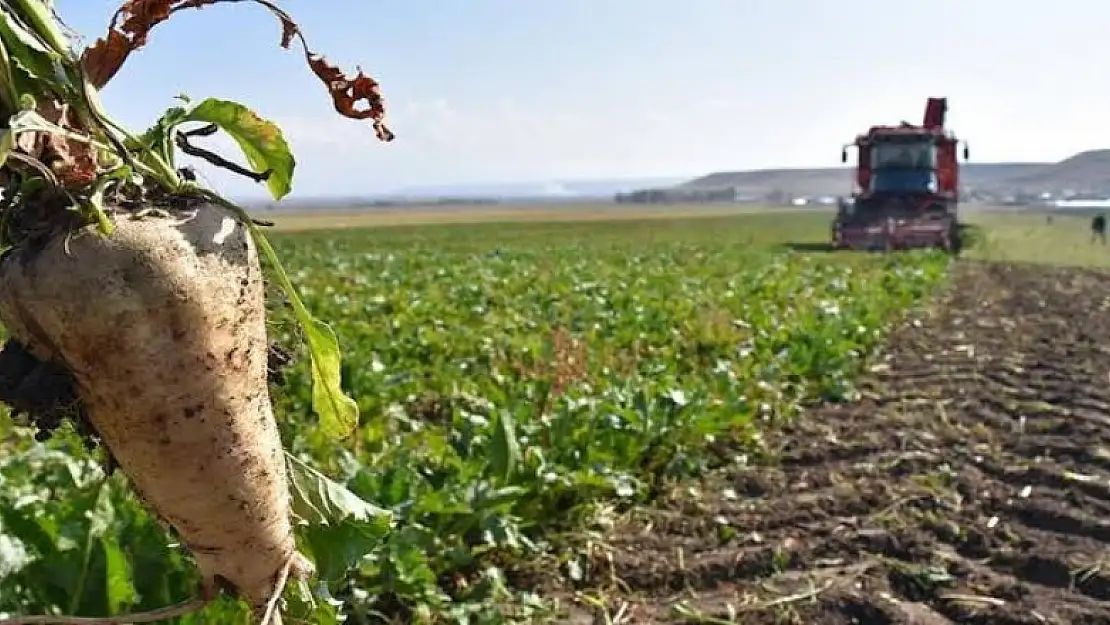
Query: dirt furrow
x=970, y=485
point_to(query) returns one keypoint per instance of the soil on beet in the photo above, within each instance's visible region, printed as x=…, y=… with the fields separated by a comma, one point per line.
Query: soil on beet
x=971, y=484
x=44, y=394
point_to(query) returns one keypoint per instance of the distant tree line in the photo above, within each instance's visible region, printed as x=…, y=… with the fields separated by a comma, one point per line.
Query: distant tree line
x=670, y=196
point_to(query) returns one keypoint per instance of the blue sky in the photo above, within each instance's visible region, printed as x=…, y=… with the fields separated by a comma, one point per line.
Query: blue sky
x=523, y=90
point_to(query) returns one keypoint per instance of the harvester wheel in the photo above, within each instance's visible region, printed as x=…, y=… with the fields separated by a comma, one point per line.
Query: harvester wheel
x=944, y=243
x=954, y=241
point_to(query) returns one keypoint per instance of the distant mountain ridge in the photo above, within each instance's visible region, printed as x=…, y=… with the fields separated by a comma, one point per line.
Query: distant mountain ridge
x=1085, y=172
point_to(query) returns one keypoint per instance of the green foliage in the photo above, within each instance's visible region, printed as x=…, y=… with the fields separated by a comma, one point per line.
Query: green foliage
x=261, y=141
x=337, y=412
x=74, y=542
x=510, y=379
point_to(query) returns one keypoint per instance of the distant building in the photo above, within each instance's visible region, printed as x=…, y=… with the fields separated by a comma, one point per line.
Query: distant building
x=1103, y=203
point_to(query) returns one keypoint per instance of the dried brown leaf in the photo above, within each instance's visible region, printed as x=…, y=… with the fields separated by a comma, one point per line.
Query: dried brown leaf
x=73, y=162
x=105, y=57
x=289, y=29
x=347, y=93
x=358, y=97
x=127, y=32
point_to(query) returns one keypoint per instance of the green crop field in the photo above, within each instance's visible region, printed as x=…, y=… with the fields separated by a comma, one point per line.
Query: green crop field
x=519, y=384
x=1030, y=237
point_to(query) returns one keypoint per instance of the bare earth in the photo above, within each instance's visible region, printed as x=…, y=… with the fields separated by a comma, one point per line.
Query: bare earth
x=970, y=485
x=537, y=213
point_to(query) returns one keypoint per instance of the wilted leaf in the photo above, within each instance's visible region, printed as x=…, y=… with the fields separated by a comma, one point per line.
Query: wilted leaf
x=132, y=23
x=348, y=92
x=127, y=32
x=105, y=57
x=320, y=500
x=343, y=527
x=45, y=135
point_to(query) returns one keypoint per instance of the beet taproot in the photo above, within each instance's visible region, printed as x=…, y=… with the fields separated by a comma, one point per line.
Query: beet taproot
x=162, y=326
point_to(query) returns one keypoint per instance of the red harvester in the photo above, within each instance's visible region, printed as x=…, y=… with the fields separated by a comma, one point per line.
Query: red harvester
x=905, y=191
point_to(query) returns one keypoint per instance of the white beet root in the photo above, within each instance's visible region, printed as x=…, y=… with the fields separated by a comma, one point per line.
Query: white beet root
x=162, y=324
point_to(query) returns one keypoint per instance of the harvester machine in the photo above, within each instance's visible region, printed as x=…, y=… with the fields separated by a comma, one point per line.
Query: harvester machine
x=905, y=187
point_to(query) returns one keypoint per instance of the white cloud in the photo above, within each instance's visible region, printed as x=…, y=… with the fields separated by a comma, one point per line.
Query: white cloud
x=716, y=104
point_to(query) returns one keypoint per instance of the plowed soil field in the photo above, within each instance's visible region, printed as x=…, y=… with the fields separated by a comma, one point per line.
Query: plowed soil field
x=971, y=484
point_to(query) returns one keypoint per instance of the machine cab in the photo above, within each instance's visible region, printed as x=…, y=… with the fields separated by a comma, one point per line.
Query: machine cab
x=900, y=160
x=905, y=163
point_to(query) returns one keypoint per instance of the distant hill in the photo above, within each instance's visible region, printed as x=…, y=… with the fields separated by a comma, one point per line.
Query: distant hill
x=838, y=180
x=1086, y=172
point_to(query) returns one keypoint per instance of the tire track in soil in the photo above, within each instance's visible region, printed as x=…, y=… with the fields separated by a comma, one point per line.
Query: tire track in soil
x=970, y=484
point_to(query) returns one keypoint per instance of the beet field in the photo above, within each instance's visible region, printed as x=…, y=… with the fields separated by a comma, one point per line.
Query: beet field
x=524, y=389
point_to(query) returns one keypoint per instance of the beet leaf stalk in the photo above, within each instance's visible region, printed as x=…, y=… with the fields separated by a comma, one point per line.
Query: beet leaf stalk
x=145, y=289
